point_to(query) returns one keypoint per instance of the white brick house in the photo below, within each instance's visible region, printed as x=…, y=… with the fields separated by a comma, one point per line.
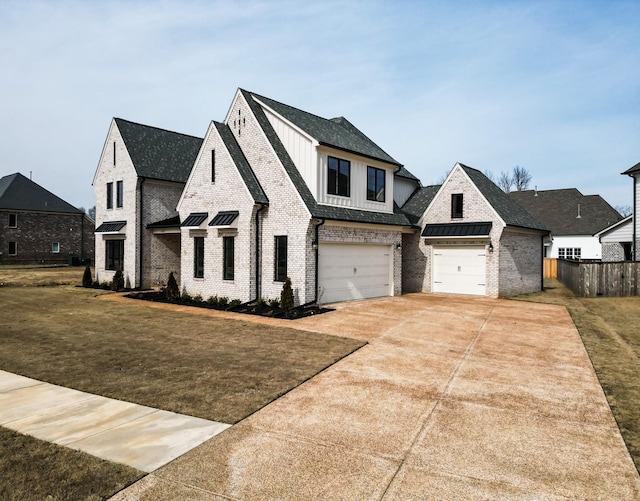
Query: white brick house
x=275, y=192
x=473, y=239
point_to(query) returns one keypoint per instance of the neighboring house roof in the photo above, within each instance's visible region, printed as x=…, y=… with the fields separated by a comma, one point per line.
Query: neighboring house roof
x=158, y=153
x=242, y=164
x=418, y=202
x=616, y=225
x=336, y=132
x=509, y=211
x=633, y=170
x=559, y=210
x=20, y=193
x=317, y=210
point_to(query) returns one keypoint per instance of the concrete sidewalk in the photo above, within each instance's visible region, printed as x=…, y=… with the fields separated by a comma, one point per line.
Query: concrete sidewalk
x=453, y=398
x=118, y=431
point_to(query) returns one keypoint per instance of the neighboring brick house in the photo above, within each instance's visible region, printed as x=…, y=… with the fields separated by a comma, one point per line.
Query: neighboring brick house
x=274, y=192
x=138, y=181
x=473, y=239
x=617, y=241
x=572, y=218
x=36, y=226
x=634, y=173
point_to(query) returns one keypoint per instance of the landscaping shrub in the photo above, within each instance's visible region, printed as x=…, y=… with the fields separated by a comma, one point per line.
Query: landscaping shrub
x=186, y=297
x=171, y=291
x=274, y=303
x=87, y=280
x=213, y=300
x=286, y=297
x=118, y=280
x=197, y=298
x=235, y=302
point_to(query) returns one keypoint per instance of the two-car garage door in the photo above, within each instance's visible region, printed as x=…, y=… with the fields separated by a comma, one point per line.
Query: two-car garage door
x=460, y=270
x=354, y=271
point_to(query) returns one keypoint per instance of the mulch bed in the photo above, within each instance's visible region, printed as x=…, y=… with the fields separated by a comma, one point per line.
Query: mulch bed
x=251, y=308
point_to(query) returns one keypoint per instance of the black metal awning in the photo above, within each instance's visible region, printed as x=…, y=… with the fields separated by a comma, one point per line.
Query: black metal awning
x=172, y=222
x=195, y=219
x=224, y=218
x=110, y=226
x=457, y=230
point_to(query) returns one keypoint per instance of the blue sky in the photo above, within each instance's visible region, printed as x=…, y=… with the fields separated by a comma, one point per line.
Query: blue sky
x=551, y=86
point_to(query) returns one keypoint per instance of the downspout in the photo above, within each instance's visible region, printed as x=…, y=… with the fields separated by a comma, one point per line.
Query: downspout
x=262, y=206
x=82, y=239
x=140, y=231
x=635, y=220
x=317, y=241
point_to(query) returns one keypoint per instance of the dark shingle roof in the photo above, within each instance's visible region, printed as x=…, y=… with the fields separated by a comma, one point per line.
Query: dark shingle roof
x=242, y=164
x=633, y=170
x=336, y=132
x=158, y=153
x=558, y=210
x=20, y=193
x=403, y=172
x=511, y=213
x=418, y=202
x=317, y=210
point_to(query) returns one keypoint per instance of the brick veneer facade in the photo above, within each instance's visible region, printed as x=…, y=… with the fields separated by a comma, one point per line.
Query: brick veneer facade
x=36, y=233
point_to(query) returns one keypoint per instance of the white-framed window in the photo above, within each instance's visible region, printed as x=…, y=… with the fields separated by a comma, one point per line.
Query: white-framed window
x=55, y=247
x=569, y=252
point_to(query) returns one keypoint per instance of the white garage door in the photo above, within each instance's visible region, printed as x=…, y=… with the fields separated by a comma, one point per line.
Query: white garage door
x=354, y=271
x=460, y=270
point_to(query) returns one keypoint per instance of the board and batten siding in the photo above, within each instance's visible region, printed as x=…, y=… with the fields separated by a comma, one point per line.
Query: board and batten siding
x=300, y=147
x=402, y=190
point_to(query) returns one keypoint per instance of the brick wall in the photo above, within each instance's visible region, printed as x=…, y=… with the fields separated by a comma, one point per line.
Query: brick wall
x=36, y=233
x=521, y=263
x=612, y=252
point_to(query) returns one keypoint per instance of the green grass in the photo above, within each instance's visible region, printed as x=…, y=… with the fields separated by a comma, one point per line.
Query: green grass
x=610, y=331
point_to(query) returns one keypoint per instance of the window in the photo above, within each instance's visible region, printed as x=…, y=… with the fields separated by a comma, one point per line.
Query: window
x=109, y=195
x=626, y=248
x=456, y=205
x=280, y=258
x=228, y=258
x=114, y=254
x=213, y=166
x=13, y=248
x=339, y=177
x=55, y=247
x=119, y=194
x=569, y=252
x=13, y=220
x=198, y=257
x=375, y=184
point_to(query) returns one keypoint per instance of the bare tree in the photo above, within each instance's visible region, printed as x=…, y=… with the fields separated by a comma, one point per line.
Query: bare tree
x=490, y=175
x=442, y=178
x=520, y=178
x=92, y=212
x=505, y=182
x=624, y=210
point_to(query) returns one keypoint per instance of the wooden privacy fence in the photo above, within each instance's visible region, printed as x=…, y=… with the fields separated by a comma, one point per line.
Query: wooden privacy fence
x=550, y=267
x=591, y=279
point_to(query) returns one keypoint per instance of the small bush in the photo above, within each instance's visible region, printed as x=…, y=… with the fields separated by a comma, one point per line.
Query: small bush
x=223, y=301
x=171, y=291
x=186, y=297
x=274, y=303
x=260, y=302
x=234, y=303
x=213, y=300
x=87, y=279
x=286, y=297
x=118, y=280
x=197, y=298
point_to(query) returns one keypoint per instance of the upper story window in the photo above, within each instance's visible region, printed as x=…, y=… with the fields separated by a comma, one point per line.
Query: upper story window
x=339, y=177
x=456, y=205
x=109, y=195
x=375, y=184
x=213, y=166
x=119, y=194
x=13, y=220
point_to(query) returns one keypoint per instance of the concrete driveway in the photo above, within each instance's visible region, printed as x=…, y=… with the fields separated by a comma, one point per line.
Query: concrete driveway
x=453, y=398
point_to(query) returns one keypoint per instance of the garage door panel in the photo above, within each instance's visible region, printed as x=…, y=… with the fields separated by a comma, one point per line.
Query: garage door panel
x=349, y=272
x=460, y=270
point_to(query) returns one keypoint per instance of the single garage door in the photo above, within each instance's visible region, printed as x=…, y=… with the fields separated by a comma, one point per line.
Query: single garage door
x=460, y=270
x=354, y=271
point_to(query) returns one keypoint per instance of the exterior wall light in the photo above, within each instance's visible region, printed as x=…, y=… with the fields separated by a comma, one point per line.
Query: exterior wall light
x=490, y=247
x=398, y=245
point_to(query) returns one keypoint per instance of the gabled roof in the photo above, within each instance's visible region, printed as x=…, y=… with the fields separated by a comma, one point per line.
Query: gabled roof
x=558, y=210
x=510, y=212
x=158, y=153
x=20, y=193
x=316, y=210
x=616, y=225
x=418, y=202
x=403, y=172
x=336, y=132
x=633, y=170
x=242, y=164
